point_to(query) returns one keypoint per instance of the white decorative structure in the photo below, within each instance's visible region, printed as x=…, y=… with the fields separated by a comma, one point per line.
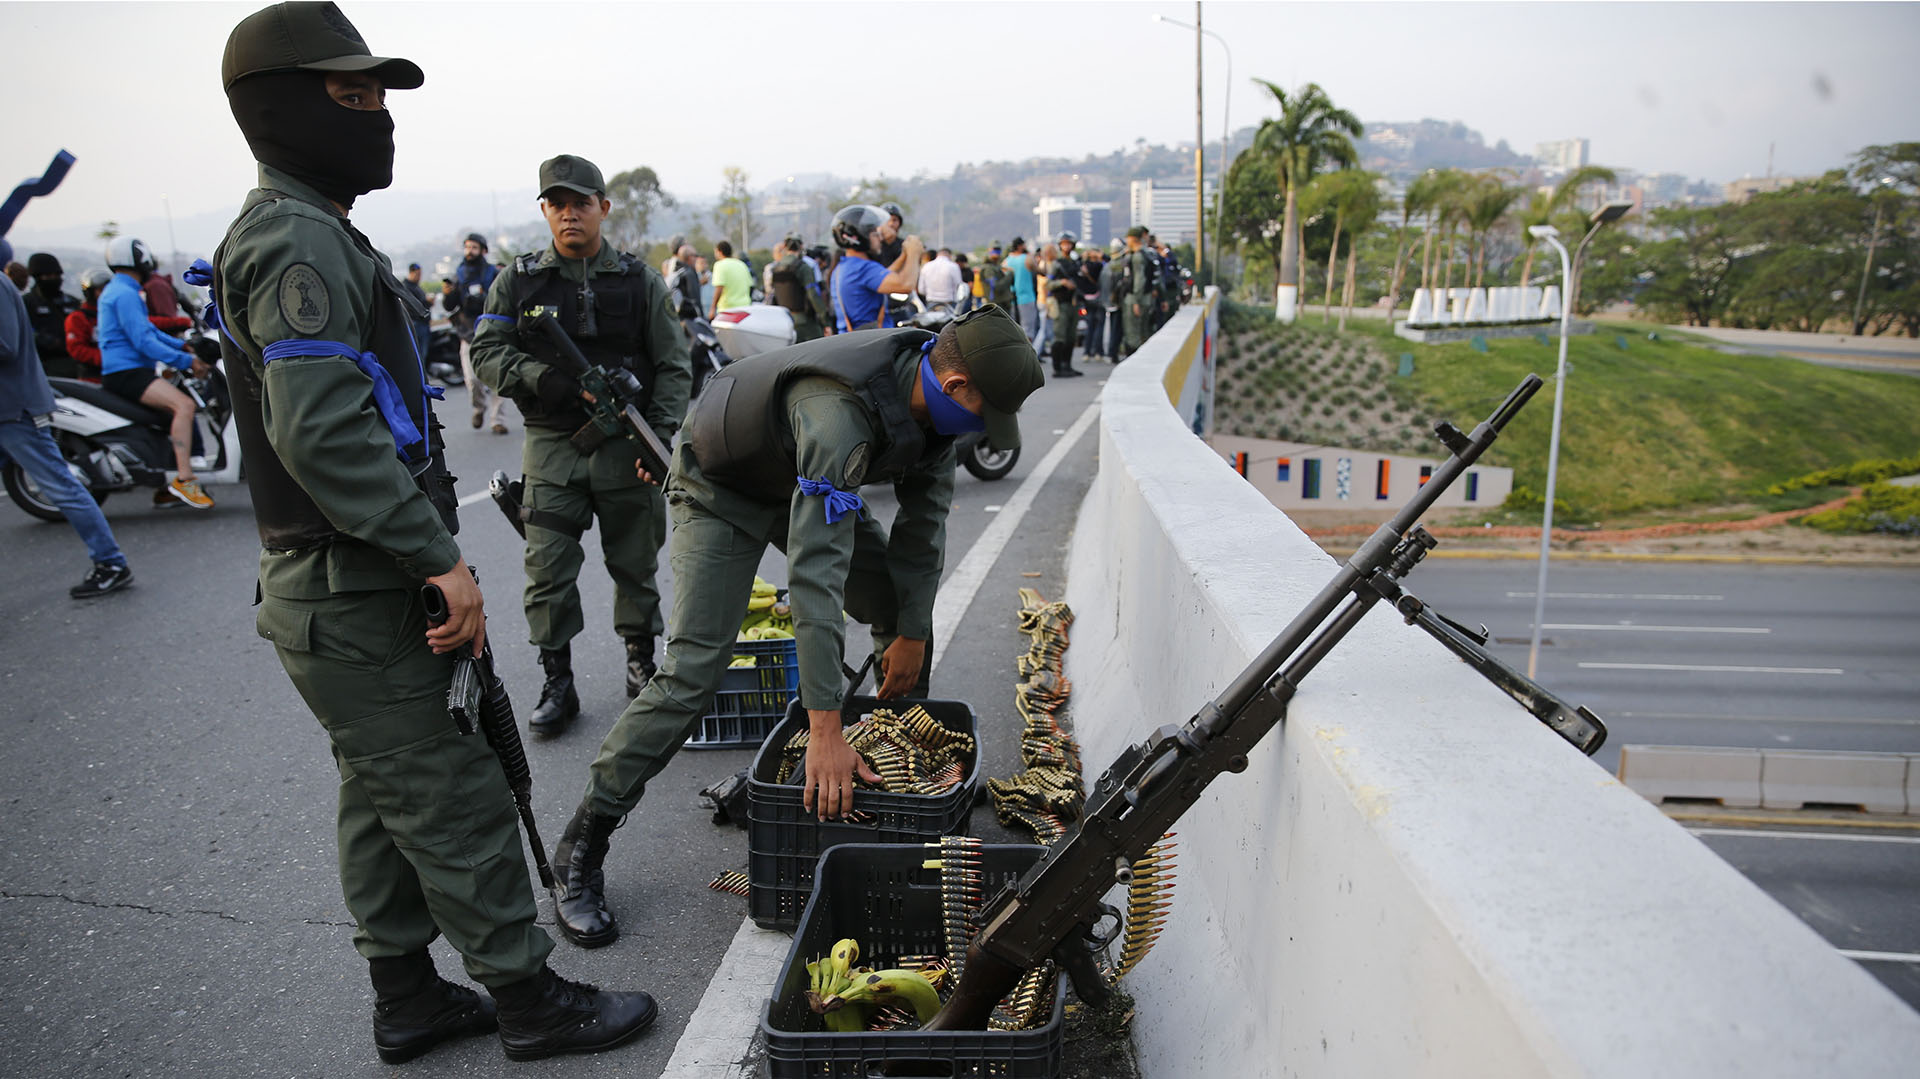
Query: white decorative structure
x=1549, y=302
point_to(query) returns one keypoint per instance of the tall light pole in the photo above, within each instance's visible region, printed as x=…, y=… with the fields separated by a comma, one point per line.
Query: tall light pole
x=1226, y=106
x=1569, y=285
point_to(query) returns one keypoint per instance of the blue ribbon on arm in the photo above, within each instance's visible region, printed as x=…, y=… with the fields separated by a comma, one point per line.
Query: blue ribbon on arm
x=200, y=275
x=839, y=503
x=508, y=319
x=386, y=392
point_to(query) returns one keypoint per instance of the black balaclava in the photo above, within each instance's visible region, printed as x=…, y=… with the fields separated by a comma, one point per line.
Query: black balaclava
x=292, y=124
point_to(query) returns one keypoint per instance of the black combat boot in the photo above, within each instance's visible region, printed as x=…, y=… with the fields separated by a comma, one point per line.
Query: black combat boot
x=415, y=1009
x=559, y=704
x=640, y=666
x=578, y=860
x=546, y=1015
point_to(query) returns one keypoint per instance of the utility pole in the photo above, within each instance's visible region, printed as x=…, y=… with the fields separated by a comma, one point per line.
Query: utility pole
x=1199, y=152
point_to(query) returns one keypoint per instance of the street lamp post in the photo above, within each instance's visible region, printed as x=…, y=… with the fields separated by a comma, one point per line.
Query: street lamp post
x=1569, y=284
x=1226, y=107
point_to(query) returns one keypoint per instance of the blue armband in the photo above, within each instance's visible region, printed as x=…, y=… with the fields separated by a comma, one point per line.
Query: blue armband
x=839, y=503
x=386, y=392
x=508, y=319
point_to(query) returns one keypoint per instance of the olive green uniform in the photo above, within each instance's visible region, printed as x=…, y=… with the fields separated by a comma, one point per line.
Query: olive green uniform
x=808, y=324
x=883, y=578
x=577, y=487
x=428, y=839
x=1140, y=291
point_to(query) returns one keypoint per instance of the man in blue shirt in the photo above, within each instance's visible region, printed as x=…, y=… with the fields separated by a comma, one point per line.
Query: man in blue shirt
x=130, y=346
x=26, y=403
x=860, y=283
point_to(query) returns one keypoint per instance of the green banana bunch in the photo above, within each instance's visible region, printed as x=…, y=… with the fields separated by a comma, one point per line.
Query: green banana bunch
x=894, y=988
x=830, y=977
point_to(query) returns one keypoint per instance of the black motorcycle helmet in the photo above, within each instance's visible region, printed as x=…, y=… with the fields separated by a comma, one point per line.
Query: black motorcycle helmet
x=853, y=227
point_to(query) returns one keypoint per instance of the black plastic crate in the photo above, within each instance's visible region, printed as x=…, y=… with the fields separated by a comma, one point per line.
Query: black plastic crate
x=880, y=896
x=785, y=838
x=751, y=700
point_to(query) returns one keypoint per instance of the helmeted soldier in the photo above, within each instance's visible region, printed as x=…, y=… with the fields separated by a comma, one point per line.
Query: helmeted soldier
x=797, y=288
x=776, y=451
x=355, y=512
x=1135, y=284
x=618, y=310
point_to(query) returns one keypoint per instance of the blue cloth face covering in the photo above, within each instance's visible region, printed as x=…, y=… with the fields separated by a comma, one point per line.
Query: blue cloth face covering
x=949, y=417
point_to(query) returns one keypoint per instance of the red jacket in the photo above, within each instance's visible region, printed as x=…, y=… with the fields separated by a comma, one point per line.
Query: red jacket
x=81, y=344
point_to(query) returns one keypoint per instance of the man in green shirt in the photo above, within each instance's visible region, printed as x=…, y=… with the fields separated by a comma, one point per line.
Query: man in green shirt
x=776, y=451
x=619, y=312
x=732, y=283
x=356, y=512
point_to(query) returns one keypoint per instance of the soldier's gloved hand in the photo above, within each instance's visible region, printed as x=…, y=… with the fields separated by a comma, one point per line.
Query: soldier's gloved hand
x=557, y=388
x=900, y=667
x=466, y=612
x=831, y=765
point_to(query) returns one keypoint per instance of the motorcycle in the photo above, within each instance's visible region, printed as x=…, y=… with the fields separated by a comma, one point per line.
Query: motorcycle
x=443, y=357
x=112, y=444
x=754, y=329
x=709, y=355
x=981, y=459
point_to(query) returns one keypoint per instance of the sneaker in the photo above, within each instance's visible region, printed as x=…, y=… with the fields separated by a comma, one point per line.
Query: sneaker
x=104, y=578
x=478, y=419
x=163, y=499
x=499, y=428
x=189, y=491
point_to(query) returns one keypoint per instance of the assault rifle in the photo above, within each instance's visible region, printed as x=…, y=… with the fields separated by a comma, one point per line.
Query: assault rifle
x=477, y=697
x=610, y=412
x=1054, y=908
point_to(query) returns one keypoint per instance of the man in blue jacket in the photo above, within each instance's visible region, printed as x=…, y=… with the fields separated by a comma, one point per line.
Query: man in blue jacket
x=130, y=346
x=26, y=403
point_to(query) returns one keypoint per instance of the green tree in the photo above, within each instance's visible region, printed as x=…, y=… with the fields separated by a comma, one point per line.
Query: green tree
x=108, y=230
x=1690, y=274
x=1310, y=132
x=1345, y=195
x=1483, y=206
x=635, y=195
x=733, y=216
x=1418, y=200
x=1540, y=209
x=1253, y=207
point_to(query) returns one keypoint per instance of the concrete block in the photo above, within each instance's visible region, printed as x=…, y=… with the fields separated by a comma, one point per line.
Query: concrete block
x=1728, y=775
x=1913, y=783
x=1876, y=782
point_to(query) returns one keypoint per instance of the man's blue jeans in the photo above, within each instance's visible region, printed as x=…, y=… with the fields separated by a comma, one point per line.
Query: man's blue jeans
x=39, y=457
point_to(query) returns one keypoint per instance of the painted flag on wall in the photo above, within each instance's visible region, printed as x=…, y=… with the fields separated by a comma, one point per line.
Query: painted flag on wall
x=1310, y=478
x=1380, y=478
x=1426, y=473
x=1283, y=471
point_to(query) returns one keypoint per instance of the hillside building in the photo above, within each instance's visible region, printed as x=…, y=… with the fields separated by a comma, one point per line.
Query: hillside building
x=1563, y=154
x=1166, y=211
x=1092, y=222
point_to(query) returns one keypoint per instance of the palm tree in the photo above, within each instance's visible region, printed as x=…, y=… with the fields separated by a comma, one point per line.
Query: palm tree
x=1418, y=199
x=1311, y=131
x=1540, y=209
x=1342, y=193
x=1362, y=209
x=1486, y=203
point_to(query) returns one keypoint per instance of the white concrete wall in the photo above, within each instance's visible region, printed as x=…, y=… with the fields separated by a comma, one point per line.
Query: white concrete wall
x=1414, y=877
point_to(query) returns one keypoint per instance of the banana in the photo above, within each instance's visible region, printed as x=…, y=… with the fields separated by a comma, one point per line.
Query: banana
x=760, y=602
x=895, y=987
x=845, y=953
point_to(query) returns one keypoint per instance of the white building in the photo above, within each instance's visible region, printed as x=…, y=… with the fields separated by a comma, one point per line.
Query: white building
x=1166, y=211
x=1091, y=222
x=1563, y=154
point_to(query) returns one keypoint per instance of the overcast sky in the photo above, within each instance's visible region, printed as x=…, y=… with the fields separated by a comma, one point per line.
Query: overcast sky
x=1702, y=89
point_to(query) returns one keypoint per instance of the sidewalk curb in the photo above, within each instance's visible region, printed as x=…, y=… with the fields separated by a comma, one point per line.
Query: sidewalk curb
x=1625, y=556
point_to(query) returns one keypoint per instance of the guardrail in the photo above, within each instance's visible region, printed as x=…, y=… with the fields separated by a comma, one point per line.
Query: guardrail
x=1413, y=877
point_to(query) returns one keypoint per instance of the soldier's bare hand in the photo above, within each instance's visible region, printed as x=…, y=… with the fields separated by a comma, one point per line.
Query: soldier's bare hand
x=831, y=766
x=640, y=470
x=466, y=612
x=901, y=665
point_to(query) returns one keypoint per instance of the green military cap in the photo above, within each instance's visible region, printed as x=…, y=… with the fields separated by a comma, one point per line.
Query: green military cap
x=1137, y=231
x=572, y=173
x=312, y=37
x=1002, y=365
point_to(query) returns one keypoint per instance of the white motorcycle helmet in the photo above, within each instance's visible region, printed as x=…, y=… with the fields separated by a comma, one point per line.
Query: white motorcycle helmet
x=130, y=253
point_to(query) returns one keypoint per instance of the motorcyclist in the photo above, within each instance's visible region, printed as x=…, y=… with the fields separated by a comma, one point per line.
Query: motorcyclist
x=860, y=283
x=83, y=343
x=47, y=308
x=130, y=346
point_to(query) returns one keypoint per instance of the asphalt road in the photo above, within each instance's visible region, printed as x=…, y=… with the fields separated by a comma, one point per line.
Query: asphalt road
x=169, y=900
x=1810, y=657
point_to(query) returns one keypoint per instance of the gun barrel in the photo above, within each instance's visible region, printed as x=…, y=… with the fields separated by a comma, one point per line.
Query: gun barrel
x=570, y=354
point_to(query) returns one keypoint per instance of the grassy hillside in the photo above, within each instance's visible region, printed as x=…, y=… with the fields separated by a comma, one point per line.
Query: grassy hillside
x=1658, y=424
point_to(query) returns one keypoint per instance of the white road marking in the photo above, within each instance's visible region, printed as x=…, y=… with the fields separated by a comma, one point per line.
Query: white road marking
x=1880, y=957
x=1629, y=627
x=1679, y=597
x=1710, y=667
x=1843, y=837
x=993, y=509
x=477, y=496
x=719, y=1033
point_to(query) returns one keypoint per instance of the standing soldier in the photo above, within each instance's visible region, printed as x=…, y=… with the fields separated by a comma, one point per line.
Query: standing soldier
x=797, y=288
x=776, y=452
x=996, y=283
x=356, y=511
x=1135, y=286
x=618, y=311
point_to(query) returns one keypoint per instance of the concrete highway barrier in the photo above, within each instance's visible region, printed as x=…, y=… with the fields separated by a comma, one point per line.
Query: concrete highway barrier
x=1771, y=778
x=1413, y=877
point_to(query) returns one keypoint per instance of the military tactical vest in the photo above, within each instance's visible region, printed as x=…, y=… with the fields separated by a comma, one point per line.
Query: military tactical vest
x=788, y=290
x=611, y=330
x=286, y=517
x=998, y=285
x=740, y=434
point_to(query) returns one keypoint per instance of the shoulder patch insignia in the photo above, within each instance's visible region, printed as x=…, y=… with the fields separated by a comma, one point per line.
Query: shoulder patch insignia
x=854, y=472
x=304, y=302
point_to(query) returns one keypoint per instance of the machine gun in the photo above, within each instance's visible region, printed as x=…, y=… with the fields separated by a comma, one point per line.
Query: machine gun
x=610, y=412
x=478, y=697
x=1053, y=909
